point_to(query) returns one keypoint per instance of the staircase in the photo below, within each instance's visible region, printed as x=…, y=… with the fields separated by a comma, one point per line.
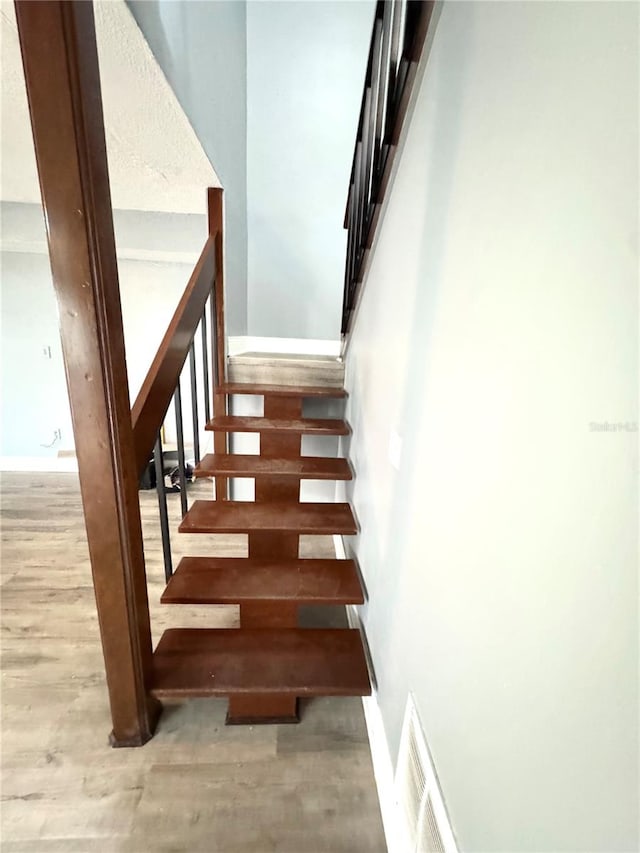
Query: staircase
x=264, y=666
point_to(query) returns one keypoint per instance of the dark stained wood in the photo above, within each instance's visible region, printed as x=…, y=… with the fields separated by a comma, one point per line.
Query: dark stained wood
x=216, y=229
x=160, y=382
x=260, y=709
x=304, y=467
x=246, y=516
x=292, y=661
x=231, y=580
x=63, y=87
x=268, y=614
x=276, y=407
x=280, y=445
x=269, y=492
x=270, y=546
x=307, y=426
x=282, y=390
x=276, y=488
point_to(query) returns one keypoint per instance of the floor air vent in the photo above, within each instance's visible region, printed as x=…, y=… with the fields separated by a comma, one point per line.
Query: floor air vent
x=418, y=792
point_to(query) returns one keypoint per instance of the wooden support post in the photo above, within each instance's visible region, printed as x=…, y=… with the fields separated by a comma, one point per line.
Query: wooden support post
x=216, y=228
x=279, y=707
x=58, y=44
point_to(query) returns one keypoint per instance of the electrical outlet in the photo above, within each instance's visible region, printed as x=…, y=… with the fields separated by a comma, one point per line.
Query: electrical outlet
x=46, y=352
x=57, y=434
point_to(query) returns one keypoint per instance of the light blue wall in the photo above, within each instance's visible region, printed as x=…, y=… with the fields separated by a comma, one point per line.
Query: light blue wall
x=201, y=48
x=305, y=70
x=497, y=331
x=273, y=92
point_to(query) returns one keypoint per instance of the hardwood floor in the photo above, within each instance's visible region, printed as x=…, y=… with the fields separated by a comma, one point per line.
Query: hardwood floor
x=198, y=785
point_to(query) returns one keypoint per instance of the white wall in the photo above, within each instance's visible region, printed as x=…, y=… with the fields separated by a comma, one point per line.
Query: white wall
x=34, y=394
x=305, y=71
x=273, y=92
x=499, y=322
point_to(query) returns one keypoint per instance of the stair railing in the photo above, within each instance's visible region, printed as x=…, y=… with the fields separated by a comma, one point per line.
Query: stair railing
x=397, y=40
x=162, y=383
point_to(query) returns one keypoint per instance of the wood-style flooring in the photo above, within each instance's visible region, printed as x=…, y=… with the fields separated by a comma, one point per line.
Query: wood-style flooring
x=197, y=785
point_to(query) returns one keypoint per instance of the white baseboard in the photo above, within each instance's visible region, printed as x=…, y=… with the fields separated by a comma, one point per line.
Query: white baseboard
x=338, y=544
x=44, y=464
x=392, y=818
x=297, y=346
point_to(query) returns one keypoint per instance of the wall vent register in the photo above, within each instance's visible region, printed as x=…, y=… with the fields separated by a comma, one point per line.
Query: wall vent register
x=418, y=791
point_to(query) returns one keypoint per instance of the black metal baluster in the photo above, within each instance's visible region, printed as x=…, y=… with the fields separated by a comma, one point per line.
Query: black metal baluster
x=357, y=212
x=162, y=503
x=194, y=402
x=374, y=87
x=383, y=95
x=205, y=368
x=214, y=339
x=177, y=404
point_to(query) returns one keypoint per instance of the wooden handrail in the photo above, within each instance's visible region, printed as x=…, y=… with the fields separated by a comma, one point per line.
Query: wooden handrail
x=153, y=400
x=216, y=223
x=399, y=34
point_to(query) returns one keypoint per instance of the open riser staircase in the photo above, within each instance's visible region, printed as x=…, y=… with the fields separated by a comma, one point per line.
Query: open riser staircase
x=269, y=662
x=266, y=664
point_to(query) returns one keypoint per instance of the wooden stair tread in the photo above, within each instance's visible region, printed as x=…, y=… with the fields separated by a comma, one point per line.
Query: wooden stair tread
x=281, y=390
x=303, y=467
x=249, y=517
x=294, y=661
x=309, y=426
x=235, y=580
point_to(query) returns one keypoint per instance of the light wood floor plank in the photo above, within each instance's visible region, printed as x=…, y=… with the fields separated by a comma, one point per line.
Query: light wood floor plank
x=197, y=785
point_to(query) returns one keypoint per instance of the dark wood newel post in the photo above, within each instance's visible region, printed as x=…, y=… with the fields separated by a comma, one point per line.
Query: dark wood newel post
x=216, y=226
x=58, y=44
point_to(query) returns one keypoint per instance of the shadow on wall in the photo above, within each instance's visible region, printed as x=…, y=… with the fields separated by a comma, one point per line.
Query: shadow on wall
x=201, y=48
x=428, y=230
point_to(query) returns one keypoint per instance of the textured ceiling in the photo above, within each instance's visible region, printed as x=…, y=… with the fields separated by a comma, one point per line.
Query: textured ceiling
x=156, y=162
